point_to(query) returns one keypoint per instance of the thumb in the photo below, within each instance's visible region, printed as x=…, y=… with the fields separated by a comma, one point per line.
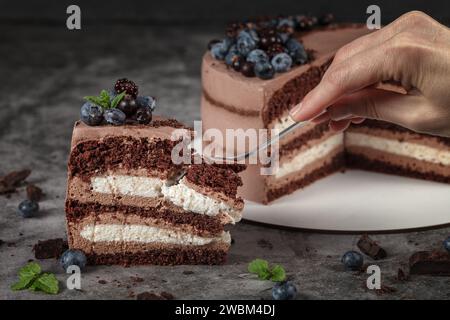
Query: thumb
x=403, y=109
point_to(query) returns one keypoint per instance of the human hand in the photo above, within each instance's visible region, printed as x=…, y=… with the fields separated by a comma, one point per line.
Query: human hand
x=414, y=52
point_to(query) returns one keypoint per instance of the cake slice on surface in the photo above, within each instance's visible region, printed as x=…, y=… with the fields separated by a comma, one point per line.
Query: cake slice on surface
x=125, y=206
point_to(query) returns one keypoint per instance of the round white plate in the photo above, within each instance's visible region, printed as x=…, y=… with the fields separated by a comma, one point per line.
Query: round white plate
x=358, y=201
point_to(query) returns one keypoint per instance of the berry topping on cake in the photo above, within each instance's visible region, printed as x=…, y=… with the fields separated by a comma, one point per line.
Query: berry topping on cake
x=284, y=291
x=91, y=114
x=260, y=41
x=127, y=86
x=118, y=108
x=116, y=117
x=128, y=105
x=247, y=69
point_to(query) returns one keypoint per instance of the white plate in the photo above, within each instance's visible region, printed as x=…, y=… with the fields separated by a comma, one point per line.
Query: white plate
x=358, y=201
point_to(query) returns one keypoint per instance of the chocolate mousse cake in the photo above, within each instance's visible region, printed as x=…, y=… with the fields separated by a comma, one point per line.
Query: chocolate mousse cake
x=233, y=100
x=126, y=203
x=252, y=78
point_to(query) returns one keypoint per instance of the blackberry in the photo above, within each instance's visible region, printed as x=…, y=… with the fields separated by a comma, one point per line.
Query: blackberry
x=275, y=49
x=126, y=85
x=326, y=19
x=269, y=37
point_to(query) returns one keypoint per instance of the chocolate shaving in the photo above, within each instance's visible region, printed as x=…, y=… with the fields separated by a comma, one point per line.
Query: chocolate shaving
x=34, y=193
x=12, y=180
x=435, y=263
x=153, y=296
x=52, y=248
x=402, y=275
x=371, y=248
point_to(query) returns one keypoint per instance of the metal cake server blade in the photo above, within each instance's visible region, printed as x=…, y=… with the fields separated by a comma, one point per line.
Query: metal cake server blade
x=261, y=147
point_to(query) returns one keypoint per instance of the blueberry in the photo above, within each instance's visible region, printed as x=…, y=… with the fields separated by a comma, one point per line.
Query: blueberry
x=352, y=260
x=28, y=208
x=232, y=55
x=284, y=291
x=73, y=257
x=220, y=49
x=282, y=62
x=286, y=24
x=246, y=41
x=248, y=69
x=297, y=51
x=264, y=70
x=447, y=244
x=115, y=117
x=144, y=115
x=91, y=114
x=284, y=37
x=257, y=56
x=146, y=101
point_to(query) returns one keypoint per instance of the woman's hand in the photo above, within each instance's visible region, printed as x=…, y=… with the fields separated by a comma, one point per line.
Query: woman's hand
x=413, y=52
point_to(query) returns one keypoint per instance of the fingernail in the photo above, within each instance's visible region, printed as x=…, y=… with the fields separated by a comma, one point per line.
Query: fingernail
x=295, y=111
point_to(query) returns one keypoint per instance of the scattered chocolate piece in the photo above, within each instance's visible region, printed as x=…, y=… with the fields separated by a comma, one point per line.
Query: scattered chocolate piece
x=263, y=243
x=371, y=248
x=12, y=180
x=167, y=295
x=188, y=272
x=102, y=281
x=11, y=244
x=385, y=290
x=1, y=242
x=148, y=296
x=430, y=263
x=52, y=248
x=34, y=193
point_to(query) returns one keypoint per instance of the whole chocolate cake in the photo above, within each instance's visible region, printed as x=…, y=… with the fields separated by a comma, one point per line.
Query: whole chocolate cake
x=287, y=57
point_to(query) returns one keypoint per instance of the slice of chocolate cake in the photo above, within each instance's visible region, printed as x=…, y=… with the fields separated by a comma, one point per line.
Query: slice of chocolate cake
x=125, y=206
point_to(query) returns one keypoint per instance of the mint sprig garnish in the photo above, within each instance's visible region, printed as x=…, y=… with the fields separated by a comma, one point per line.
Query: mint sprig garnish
x=264, y=271
x=104, y=100
x=32, y=278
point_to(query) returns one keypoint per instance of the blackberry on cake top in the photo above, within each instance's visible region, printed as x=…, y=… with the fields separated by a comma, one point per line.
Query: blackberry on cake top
x=119, y=106
x=260, y=41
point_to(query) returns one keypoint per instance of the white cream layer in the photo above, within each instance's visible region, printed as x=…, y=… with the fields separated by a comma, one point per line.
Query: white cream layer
x=145, y=234
x=179, y=194
x=314, y=153
x=407, y=149
x=187, y=198
x=127, y=185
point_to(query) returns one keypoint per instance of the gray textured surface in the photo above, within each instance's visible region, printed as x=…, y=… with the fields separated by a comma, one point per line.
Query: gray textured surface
x=45, y=72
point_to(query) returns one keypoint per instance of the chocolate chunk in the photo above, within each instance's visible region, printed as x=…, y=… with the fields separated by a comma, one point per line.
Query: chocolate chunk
x=371, y=248
x=12, y=180
x=430, y=263
x=52, y=248
x=167, y=295
x=34, y=193
x=137, y=279
x=149, y=296
x=187, y=272
x=102, y=281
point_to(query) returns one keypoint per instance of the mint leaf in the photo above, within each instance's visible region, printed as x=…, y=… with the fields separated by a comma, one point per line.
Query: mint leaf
x=277, y=273
x=47, y=283
x=258, y=265
x=27, y=275
x=117, y=99
x=264, y=272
